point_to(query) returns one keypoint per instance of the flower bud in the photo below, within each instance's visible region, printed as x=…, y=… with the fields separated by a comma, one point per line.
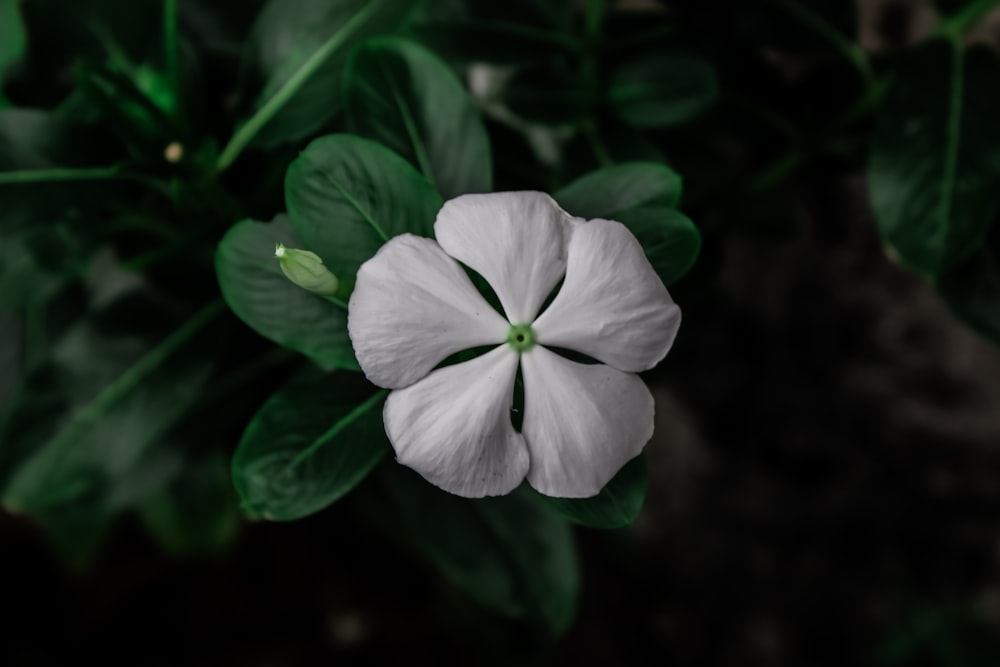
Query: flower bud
x=306, y=270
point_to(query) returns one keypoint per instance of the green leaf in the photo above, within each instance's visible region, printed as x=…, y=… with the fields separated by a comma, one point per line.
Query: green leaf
x=269, y=303
x=108, y=413
x=618, y=503
x=143, y=128
x=297, y=50
x=197, y=513
x=309, y=445
x=972, y=292
x=510, y=554
x=643, y=197
x=607, y=192
x=402, y=95
x=347, y=196
x=934, y=168
x=669, y=238
x=12, y=39
x=663, y=90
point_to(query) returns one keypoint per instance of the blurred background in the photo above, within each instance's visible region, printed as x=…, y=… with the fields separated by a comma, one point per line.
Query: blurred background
x=824, y=481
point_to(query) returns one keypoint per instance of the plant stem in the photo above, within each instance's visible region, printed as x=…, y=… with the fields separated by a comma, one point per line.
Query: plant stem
x=170, y=46
x=55, y=175
x=954, y=26
x=848, y=48
x=597, y=145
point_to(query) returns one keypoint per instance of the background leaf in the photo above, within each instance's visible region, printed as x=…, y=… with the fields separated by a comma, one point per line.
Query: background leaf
x=510, y=554
x=398, y=93
x=934, y=169
x=310, y=444
x=198, y=512
x=618, y=503
x=606, y=192
x=347, y=196
x=296, y=53
x=260, y=295
x=643, y=197
x=663, y=90
x=669, y=238
x=12, y=38
x=108, y=414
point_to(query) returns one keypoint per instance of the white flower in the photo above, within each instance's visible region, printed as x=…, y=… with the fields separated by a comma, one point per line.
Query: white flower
x=413, y=306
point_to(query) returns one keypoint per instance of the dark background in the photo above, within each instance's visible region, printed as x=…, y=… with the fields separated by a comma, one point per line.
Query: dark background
x=825, y=490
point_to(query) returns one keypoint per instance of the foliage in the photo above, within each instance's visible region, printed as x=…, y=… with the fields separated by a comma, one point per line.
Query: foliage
x=141, y=148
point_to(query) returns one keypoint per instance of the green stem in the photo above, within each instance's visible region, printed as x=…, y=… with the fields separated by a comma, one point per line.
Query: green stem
x=597, y=145
x=170, y=46
x=954, y=26
x=594, y=18
x=56, y=175
x=245, y=134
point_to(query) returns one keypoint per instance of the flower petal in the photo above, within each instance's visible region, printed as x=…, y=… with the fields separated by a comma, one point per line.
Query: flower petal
x=582, y=423
x=612, y=305
x=413, y=306
x=454, y=428
x=515, y=240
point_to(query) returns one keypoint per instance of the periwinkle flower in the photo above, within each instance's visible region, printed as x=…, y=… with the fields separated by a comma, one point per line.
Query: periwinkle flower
x=414, y=305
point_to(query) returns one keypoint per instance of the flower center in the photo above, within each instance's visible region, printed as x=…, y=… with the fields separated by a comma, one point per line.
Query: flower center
x=521, y=337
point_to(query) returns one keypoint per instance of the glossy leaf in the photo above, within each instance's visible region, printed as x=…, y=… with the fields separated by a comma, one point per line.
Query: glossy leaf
x=269, y=303
x=347, y=196
x=297, y=50
x=934, y=168
x=618, y=503
x=609, y=191
x=309, y=445
x=510, y=554
x=402, y=95
x=663, y=90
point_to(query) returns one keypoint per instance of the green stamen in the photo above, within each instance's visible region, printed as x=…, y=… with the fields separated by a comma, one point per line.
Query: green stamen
x=521, y=337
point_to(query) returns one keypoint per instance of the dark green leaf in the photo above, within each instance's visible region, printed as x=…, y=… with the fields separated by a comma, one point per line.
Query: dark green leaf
x=609, y=191
x=618, y=503
x=934, y=169
x=347, y=196
x=492, y=41
x=550, y=95
x=403, y=96
x=260, y=295
x=37, y=139
x=663, y=90
x=296, y=53
x=972, y=291
x=510, y=554
x=309, y=445
x=198, y=513
x=12, y=39
x=669, y=238
x=143, y=128
x=118, y=397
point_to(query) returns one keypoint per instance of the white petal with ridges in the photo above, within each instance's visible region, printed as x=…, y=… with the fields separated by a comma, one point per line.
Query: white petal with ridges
x=582, y=423
x=413, y=306
x=612, y=305
x=454, y=428
x=515, y=240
